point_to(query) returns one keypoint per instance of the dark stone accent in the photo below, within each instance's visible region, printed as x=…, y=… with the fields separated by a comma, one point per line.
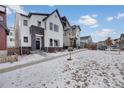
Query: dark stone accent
x=25, y=50
x=36, y=30
x=53, y=49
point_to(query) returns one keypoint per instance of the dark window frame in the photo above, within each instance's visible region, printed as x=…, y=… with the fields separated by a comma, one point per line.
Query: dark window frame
x=25, y=22
x=51, y=42
x=51, y=26
x=56, y=28
x=25, y=39
x=39, y=23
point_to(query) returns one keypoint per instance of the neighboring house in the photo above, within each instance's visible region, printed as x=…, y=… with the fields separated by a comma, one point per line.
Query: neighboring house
x=121, y=43
x=71, y=34
x=38, y=31
x=11, y=38
x=100, y=44
x=3, y=31
x=116, y=42
x=85, y=40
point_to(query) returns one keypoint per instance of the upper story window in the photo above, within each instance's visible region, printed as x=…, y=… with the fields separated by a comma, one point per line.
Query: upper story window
x=11, y=33
x=51, y=26
x=11, y=39
x=56, y=28
x=55, y=16
x=39, y=23
x=25, y=22
x=26, y=39
x=1, y=18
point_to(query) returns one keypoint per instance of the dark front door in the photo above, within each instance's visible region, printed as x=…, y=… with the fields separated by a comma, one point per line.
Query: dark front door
x=37, y=44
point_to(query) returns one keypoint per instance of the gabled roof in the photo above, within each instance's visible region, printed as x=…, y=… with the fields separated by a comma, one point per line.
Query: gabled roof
x=64, y=18
x=51, y=14
x=74, y=26
x=45, y=14
x=122, y=35
x=85, y=37
x=31, y=13
x=6, y=29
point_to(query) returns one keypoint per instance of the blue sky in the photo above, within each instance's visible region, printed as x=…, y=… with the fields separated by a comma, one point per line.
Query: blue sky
x=98, y=21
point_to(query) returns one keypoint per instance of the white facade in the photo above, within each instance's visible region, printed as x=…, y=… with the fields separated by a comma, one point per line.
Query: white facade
x=11, y=38
x=86, y=40
x=24, y=31
x=51, y=34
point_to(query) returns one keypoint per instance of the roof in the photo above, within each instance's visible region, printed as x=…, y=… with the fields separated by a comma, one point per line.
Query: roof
x=45, y=14
x=64, y=18
x=6, y=29
x=31, y=13
x=74, y=26
x=85, y=37
x=51, y=14
x=122, y=35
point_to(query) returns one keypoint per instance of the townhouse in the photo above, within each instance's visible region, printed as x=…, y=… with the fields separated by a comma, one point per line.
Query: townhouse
x=71, y=34
x=3, y=31
x=38, y=31
x=11, y=38
x=121, y=43
x=85, y=40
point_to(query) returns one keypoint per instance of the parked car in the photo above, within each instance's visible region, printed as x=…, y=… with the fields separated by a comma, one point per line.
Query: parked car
x=114, y=47
x=102, y=48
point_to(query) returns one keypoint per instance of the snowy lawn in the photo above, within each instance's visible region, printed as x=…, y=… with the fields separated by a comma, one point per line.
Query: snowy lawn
x=32, y=58
x=87, y=69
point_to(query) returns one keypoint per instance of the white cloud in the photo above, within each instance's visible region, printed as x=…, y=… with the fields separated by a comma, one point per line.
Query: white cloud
x=94, y=26
x=94, y=15
x=103, y=34
x=110, y=18
x=15, y=8
x=87, y=20
x=120, y=15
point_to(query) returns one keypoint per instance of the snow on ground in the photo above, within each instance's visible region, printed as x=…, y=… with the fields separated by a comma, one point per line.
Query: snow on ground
x=87, y=69
x=31, y=58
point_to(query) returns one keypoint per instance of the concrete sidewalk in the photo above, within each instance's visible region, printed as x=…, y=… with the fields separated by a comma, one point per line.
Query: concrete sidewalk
x=3, y=70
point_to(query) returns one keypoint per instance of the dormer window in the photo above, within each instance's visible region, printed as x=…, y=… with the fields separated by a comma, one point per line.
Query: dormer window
x=38, y=23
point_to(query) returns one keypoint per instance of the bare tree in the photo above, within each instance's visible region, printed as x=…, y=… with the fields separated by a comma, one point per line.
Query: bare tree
x=109, y=42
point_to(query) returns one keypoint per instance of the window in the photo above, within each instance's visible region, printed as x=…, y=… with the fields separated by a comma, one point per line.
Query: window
x=26, y=39
x=51, y=26
x=39, y=23
x=51, y=42
x=11, y=39
x=56, y=28
x=25, y=22
x=56, y=43
x=11, y=33
x=1, y=18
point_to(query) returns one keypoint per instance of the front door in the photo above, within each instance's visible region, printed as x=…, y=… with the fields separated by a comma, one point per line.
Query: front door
x=37, y=44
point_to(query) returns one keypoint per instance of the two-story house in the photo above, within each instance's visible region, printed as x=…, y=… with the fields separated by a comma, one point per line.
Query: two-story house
x=3, y=31
x=85, y=40
x=71, y=36
x=39, y=31
x=121, y=43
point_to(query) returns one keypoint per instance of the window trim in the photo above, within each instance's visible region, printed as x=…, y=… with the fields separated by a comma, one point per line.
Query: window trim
x=25, y=24
x=56, y=29
x=25, y=38
x=51, y=26
x=39, y=25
